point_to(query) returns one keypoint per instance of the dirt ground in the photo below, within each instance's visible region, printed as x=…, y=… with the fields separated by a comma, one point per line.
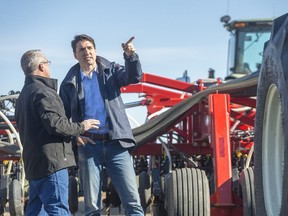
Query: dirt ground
x=113, y=211
x=80, y=212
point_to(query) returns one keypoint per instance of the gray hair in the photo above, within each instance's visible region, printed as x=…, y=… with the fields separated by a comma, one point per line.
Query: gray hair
x=31, y=60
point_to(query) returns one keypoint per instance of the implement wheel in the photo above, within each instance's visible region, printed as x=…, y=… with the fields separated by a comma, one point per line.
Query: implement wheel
x=247, y=191
x=16, y=206
x=73, y=194
x=144, y=189
x=187, y=192
x=271, y=125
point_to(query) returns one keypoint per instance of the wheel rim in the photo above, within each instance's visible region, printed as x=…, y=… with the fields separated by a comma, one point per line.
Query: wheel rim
x=272, y=152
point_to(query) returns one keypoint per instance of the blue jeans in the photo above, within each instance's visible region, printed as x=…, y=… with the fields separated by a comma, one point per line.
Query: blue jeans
x=119, y=166
x=49, y=196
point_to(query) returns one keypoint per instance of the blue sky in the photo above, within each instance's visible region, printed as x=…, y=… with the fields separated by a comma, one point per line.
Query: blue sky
x=170, y=36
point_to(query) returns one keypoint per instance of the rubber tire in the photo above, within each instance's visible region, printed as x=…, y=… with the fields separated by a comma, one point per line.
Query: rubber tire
x=3, y=193
x=16, y=206
x=144, y=189
x=73, y=194
x=271, y=129
x=115, y=200
x=247, y=190
x=187, y=192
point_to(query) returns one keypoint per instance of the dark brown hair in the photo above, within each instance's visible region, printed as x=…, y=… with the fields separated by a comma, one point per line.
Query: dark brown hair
x=82, y=37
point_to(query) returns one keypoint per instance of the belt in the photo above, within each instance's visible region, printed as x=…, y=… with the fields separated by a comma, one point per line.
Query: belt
x=94, y=136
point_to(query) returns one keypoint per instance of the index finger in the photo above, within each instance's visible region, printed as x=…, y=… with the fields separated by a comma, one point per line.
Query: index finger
x=129, y=41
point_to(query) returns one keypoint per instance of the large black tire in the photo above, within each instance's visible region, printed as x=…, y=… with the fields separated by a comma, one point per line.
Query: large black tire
x=187, y=193
x=144, y=189
x=271, y=125
x=73, y=194
x=3, y=193
x=115, y=200
x=16, y=205
x=247, y=191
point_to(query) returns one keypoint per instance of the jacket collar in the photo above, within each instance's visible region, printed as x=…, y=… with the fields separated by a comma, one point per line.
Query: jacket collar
x=102, y=64
x=49, y=82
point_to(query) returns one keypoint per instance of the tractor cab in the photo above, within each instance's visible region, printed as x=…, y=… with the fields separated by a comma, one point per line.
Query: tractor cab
x=246, y=43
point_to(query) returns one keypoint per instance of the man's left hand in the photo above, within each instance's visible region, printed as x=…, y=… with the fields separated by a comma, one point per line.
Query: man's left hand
x=128, y=47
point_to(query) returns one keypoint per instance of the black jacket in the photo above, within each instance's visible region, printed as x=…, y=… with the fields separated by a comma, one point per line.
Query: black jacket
x=111, y=78
x=45, y=132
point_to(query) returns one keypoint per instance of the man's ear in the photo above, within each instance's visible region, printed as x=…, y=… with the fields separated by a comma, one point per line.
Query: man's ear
x=74, y=55
x=41, y=67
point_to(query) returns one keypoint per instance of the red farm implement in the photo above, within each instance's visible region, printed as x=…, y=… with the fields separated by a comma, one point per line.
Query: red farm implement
x=205, y=137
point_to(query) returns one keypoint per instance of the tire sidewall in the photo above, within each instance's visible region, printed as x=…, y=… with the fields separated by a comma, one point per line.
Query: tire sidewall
x=272, y=73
